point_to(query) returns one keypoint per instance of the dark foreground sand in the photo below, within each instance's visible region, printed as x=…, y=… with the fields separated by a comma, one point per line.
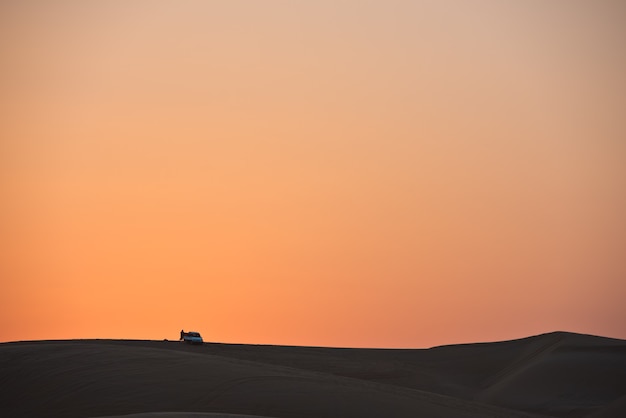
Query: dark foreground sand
x=557, y=374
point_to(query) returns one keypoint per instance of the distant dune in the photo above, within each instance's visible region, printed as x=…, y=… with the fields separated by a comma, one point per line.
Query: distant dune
x=557, y=374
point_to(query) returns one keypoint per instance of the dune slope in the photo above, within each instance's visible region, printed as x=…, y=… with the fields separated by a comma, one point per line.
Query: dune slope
x=555, y=374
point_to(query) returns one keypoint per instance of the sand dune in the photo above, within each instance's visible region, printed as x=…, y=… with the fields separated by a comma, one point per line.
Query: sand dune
x=556, y=374
x=183, y=415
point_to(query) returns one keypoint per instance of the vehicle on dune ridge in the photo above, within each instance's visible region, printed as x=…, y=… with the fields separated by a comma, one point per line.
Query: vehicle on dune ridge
x=192, y=337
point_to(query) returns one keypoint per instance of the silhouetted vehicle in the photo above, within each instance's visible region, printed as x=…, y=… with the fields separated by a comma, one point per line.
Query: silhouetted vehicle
x=192, y=337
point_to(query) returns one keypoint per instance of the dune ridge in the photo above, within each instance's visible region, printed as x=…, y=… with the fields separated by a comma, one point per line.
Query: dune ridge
x=556, y=374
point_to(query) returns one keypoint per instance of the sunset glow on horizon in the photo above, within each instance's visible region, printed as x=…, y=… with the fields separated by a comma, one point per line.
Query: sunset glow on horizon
x=356, y=174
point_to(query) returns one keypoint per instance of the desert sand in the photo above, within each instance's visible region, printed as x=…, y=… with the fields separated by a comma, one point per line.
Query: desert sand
x=557, y=374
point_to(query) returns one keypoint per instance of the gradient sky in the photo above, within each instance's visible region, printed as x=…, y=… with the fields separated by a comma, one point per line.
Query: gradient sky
x=336, y=173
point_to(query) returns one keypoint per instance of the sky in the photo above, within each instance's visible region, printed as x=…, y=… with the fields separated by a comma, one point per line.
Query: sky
x=329, y=173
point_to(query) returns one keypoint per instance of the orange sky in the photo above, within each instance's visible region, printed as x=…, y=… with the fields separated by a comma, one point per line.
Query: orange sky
x=353, y=173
